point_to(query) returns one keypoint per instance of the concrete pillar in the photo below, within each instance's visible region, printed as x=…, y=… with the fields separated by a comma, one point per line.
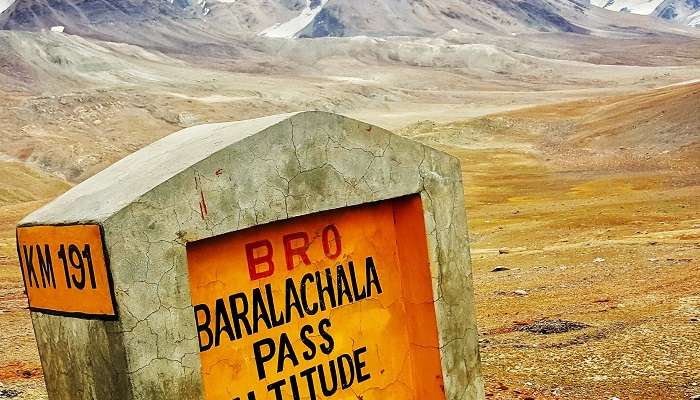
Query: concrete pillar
x=252, y=260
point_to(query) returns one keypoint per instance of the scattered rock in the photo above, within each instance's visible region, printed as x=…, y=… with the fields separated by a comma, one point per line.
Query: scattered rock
x=599, y=260
x=9, y=393
x=504, y=251
x=186, y=119
x=547, y=327
x=500, y=268
x=521, y=292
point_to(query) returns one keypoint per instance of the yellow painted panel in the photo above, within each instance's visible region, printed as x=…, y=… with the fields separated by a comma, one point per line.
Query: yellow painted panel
x=65, y=270
x=333, y=305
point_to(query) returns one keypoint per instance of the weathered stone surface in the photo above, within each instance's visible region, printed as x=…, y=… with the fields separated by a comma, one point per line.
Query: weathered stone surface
x=213, y=179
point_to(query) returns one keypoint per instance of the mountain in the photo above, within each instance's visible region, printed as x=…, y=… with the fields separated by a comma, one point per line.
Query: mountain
x=685, y=12
x=421, y=18
x=42, y=14
x=215, y=30
x=173, y=23
x=306, y=18
x=159, y=24
x=301, y=18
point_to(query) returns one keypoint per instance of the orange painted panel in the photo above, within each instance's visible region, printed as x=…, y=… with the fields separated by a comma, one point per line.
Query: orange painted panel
x=334, y=305
x=65, y=270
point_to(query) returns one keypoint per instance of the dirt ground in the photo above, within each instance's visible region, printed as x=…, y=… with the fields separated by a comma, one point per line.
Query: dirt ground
x=585, y=242
x=20, y=370
x=619, y=253
x=587, y=271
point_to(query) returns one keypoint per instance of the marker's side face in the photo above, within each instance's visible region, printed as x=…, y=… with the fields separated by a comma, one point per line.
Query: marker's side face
x=65, y=270
x=337, y=305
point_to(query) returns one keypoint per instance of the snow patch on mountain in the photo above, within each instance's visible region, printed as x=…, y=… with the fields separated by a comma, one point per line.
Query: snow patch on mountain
x=5, y=4
x=680, y=11
x=684, y=12
x=291, y=28
x=694, y=20
x=642, y=7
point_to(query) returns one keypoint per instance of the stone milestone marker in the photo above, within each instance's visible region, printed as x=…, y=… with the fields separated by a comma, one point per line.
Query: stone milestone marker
x=297, y=256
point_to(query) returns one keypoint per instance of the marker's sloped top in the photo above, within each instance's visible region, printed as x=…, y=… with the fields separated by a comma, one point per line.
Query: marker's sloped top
x=125, y=181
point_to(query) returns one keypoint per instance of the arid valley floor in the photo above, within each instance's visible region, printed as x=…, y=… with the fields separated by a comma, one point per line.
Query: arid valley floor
x=582, y=184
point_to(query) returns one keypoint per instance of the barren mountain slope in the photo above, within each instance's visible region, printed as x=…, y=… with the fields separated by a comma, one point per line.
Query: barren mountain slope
x=630, y=131
x=69, y=101
x=647, y=130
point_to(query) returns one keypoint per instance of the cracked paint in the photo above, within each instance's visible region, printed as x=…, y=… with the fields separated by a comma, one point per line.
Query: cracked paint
x=390, y=321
